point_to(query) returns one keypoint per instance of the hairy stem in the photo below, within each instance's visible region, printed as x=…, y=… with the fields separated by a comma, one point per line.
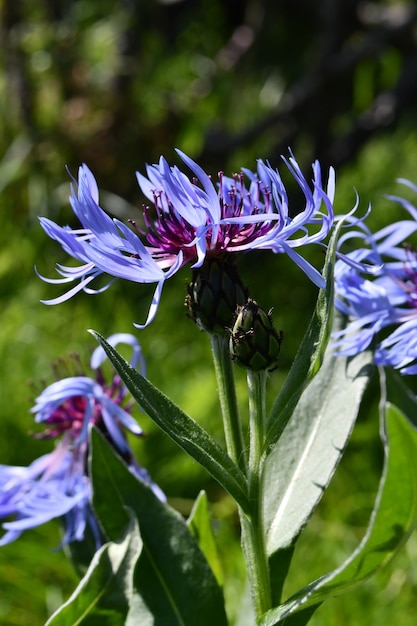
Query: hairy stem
x=228, y=401
x=253, y=536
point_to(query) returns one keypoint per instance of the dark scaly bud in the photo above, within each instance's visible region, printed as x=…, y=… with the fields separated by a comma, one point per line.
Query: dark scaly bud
x=214, y=293
x=254, y=341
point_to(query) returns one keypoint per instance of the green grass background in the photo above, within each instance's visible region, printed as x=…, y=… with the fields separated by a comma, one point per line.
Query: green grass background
x=34, y=576
x=80, y=55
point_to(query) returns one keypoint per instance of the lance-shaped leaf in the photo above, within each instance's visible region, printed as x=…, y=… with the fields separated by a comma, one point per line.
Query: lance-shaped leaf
x=199, y=524
x=310, y=353
x=105, y=593
x=82, y=552
x=189, y=435
x=399, y=393
x=299, y=468
x=172, y=577
x=392, y=521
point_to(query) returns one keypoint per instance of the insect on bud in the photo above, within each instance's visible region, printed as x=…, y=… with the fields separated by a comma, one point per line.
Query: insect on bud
x=254, y=341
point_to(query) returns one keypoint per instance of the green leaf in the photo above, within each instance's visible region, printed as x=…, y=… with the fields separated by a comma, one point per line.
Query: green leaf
x=189, y=435
x=82, y=552
x=300, y=466
x=310, y=353
x=392, y=521
x=199, y=523
x=102, y=598
x=172, y=577
x=246, y=615
x=398, y=392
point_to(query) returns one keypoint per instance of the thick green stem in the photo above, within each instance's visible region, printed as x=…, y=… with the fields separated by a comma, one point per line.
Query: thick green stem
x=228, y=401
x=253, y=537
x=257, y=419
x=253, y=540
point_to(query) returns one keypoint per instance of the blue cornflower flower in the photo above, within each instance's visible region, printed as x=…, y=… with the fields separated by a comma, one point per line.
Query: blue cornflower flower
x=382, y=308
x=191, y=220
x=57, y=485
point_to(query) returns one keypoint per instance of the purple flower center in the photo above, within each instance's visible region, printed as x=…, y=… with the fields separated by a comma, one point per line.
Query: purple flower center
x=70, y=416
x=168, y=231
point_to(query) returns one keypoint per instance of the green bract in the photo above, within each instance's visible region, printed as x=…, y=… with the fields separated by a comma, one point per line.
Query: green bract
x=214, y=294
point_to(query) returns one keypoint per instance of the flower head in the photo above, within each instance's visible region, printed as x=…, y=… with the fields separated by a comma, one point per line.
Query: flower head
x=189, y=220
x=382, y=308
x=57, y=485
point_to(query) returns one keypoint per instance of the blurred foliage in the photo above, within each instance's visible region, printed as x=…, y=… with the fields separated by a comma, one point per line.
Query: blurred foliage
x=116, y=84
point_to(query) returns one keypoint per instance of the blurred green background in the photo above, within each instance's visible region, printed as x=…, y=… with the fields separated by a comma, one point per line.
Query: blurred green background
x=116, y=84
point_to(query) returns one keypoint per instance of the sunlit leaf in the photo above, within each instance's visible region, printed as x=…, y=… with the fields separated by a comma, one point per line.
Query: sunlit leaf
x=310, y=353
x=104, y=594
x=200, y=525
x=299, y=468
x=392, y=521
x=82, y=552
x=398, y=393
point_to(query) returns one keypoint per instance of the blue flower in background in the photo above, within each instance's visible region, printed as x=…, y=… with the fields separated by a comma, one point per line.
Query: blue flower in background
x=57, y=485
x=189, y=220
x=382, y=310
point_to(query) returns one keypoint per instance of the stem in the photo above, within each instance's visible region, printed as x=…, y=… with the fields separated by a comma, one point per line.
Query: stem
x=253, y=540
x=228, y=402
x=257, y=419
x=253, y=537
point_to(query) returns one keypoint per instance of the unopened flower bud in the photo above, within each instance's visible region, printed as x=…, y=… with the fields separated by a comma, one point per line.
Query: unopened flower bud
x=214, y=294
x=254, y=341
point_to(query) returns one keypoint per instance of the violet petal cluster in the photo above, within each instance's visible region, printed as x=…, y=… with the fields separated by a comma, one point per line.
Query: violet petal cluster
x=189, y=219
x=57, y=484
x=382, y=307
